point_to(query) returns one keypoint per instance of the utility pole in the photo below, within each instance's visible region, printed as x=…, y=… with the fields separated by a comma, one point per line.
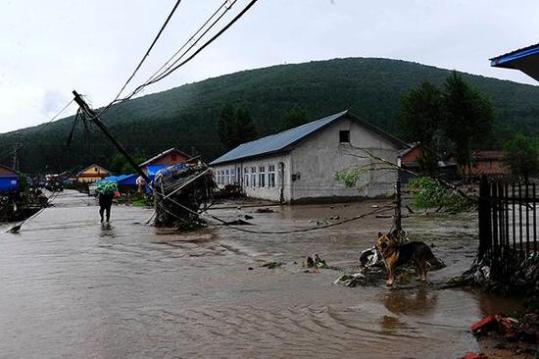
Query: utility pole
x=94, y=116
x=15, y=164
x=398, y=203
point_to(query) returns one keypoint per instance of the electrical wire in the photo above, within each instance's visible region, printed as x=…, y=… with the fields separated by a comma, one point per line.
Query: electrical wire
x=175, y=66
x=206, y=44
x=40, y=128
x=150, y=48
x=167, y=66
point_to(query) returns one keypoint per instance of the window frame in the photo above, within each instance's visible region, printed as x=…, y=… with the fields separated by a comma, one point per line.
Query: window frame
x=344, y=132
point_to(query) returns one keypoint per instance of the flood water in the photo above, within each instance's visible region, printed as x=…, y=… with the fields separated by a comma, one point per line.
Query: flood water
x=73, y=288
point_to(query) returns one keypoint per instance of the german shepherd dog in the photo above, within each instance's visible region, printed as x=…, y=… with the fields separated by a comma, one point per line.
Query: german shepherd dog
x=395, y=255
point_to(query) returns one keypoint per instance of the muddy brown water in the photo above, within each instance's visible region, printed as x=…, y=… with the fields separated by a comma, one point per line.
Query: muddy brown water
x=73, y=288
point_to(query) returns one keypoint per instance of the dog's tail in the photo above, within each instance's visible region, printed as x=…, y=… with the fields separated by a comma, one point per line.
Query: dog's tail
x=434, y=262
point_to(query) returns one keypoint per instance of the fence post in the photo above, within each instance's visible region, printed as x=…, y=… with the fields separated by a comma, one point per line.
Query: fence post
x=484, y=218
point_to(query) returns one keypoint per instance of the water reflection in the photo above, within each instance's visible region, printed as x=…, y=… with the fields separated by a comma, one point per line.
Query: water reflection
x=421, y=301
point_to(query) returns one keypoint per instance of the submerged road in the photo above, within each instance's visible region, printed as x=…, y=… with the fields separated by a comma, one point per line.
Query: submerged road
x=71, y=287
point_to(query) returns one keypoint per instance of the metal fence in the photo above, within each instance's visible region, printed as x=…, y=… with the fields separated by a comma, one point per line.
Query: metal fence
x=507, y=224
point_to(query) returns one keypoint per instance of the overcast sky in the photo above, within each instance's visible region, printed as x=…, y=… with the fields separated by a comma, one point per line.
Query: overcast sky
x=48, y=48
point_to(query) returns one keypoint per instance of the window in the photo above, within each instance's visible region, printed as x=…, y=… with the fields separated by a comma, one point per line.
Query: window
x=227, y=177
x=344, y=136
x=253, y=176
x=271, y=176
x=262, y=176
x=246, y=180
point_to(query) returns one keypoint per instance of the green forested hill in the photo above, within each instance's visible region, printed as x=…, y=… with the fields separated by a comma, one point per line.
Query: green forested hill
x=186, y=116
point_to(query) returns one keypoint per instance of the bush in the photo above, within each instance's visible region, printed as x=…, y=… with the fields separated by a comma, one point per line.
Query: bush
x=429, y=193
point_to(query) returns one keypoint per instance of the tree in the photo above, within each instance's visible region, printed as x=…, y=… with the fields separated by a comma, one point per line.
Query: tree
x=522, y=156
x=468, y=118
x=421, y=119
x=296, y=116
x=225, y=125
x=244, y=130
x=235, y=127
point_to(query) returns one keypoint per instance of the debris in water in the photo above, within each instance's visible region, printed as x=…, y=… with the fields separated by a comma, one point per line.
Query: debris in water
x=264, y=210
x=180, y=191
x=315, y=261
x=272, y=265
x=238, y=222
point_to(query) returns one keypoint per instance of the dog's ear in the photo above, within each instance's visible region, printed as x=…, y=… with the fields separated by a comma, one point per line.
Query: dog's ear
x=380, y=234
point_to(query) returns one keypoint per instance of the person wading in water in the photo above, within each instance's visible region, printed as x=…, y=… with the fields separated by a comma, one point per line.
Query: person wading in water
x=105, y=203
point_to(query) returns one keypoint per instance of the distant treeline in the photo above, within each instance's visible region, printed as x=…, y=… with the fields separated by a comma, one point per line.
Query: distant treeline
x=187, y=116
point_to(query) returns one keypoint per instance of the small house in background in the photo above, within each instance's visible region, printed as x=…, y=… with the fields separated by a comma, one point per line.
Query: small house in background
x=164, y=159
x=9, y=180
x=487, y=163
x=91, y=174
x=301, y=164
x=411, y=158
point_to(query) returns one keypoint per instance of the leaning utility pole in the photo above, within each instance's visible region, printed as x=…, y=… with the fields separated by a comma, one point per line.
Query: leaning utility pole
x=94, y=116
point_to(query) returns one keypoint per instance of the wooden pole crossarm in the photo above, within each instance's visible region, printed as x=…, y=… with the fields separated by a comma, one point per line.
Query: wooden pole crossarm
x=95, y=118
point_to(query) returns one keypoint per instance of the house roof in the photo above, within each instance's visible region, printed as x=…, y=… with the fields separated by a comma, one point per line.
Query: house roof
x=11, y=172
x=489, y=155
x=164, y=153
x=284, y=141
x=90, y=166
x=525, y=59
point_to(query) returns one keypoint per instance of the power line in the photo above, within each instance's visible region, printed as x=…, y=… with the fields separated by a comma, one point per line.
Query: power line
x=175, y=66
x=118, y=101
x=150, y=48
x=206, y=44
x=44, y=126
x=190, y=40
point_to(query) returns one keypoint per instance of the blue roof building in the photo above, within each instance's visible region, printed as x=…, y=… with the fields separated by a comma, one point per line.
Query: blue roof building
x=525, y=60
x=9, y=180
x=300, y=164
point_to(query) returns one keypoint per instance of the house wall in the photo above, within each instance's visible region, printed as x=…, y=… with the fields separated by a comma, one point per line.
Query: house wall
x=316, y=161
x=309, y=170
x=412, y=156
x=6, y=172
x=489, y=167
x=92, y=174
x=170, y=159
x=282, y=185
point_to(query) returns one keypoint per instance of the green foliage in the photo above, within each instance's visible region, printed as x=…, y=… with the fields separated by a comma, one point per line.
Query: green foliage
x=120, y=164
x=350, y=176
x=421, y=119
x=522, y=156
x=468, y=117
x=421, y=113
x=187, y=116
x=235, y=127
x=457, y=119
x=429, y=193
x=295, y=117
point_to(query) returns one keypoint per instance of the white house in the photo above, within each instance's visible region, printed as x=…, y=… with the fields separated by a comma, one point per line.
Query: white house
x=300, y=164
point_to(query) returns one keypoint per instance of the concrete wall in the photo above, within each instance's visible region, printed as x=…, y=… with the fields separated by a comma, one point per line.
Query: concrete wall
x=310, y=168
x=282, y=177
x=316, y=161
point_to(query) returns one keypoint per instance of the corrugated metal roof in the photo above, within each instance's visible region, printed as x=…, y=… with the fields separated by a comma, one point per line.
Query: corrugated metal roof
x=277, y=142
x=282, y=141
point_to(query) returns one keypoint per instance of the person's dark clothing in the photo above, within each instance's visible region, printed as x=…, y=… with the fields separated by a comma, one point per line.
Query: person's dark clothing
x=105, y=203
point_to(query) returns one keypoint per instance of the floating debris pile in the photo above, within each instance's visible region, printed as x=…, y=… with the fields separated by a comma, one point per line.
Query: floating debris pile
x=181, y=191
